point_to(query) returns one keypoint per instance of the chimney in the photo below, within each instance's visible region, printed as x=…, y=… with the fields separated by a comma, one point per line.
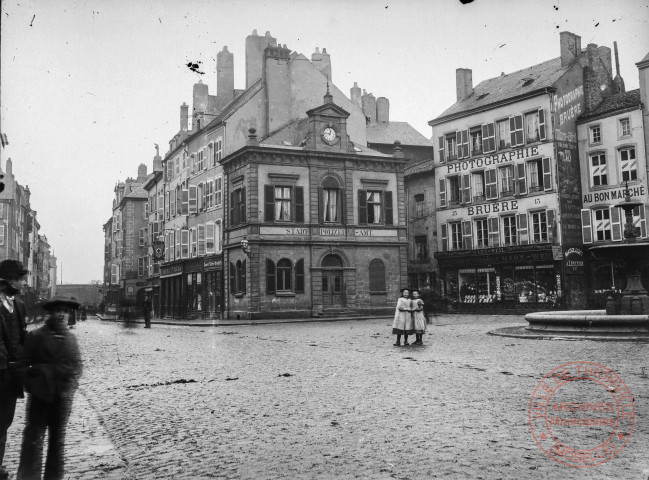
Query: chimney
x=322, y=61
x=570, y=47
x=255, y=46
x=382, y=110
x=592, y=91
x=224, y=78
x=369, y=106
x=355, y=94
x=463, y=83
x=141, y=173
x=157, y=160
x=9, y=167
x=184, y=111
x=200, y=101
x=618, y=82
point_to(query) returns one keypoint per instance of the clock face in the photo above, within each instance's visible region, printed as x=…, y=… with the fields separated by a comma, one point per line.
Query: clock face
x=329, y=134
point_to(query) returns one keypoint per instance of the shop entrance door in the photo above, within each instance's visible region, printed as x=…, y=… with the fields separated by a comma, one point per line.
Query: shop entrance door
x=332, y=289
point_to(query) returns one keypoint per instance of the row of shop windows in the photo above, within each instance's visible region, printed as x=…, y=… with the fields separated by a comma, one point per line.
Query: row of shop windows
x=491, y=184
x=509, y=132
x=519, y=284
x=496, y=231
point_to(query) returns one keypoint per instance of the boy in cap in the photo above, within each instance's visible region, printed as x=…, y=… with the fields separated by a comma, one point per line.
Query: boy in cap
x=53, y=368
x=12, y=336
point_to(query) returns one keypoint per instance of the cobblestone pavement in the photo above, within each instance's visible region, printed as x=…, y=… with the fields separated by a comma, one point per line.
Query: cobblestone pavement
x=327, y=400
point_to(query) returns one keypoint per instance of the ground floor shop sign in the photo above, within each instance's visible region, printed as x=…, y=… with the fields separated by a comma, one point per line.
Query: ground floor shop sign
x=495, y=256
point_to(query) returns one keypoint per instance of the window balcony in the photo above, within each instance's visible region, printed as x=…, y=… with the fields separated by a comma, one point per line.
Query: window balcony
x=479, y=197
x=451, y=157
x=476, y=151
x=535, y=188
x=507, y=193
x=503, y=145
x=454, y=202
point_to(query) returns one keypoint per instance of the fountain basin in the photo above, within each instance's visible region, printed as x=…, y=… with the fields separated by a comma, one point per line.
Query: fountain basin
x=586, y=321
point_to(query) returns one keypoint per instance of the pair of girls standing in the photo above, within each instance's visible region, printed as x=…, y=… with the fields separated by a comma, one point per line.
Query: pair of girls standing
x=409, y=318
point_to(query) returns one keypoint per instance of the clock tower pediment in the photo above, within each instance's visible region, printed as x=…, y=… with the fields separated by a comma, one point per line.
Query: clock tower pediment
x=328, y=127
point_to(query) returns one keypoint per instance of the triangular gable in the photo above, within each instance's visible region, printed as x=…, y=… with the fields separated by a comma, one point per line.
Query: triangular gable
x=329, y=109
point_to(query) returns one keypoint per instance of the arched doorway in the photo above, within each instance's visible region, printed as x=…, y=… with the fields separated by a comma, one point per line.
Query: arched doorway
x=332, y=282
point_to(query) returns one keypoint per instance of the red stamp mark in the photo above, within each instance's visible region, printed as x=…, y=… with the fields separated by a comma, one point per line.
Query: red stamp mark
x=581, y=414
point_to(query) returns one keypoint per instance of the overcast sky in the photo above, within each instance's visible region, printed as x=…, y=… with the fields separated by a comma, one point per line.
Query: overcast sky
x=88, y=87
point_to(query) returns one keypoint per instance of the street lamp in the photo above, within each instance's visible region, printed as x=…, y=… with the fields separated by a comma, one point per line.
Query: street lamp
x=245, y=246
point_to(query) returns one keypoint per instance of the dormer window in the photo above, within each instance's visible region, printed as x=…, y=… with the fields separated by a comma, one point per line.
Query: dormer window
x=527, y=81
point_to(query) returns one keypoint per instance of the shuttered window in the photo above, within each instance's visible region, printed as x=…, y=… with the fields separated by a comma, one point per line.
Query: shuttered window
x=586, y=226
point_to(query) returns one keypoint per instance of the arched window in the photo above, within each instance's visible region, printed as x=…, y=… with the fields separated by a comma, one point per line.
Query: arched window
x=331, y=201
x=284, y=269
x=377, y=275
x=332, y=261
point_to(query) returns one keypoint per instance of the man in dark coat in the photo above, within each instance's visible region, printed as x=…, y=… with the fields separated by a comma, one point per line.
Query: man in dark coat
x=12, y=337
x=53, y=368
x=146, y=308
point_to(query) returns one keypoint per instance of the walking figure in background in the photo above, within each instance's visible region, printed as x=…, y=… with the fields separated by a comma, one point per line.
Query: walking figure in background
x=53, y=368
x=418, y=317
x=13, y=331
x=147, y=307
x=72, y=318
x=402, y=324
x=84, y=313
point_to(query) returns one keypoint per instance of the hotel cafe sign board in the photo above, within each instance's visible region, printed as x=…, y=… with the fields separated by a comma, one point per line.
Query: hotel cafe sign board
x=333, y=232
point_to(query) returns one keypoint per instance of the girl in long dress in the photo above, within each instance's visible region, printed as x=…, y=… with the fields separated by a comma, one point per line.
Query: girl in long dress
x=402, y=324
x=419, y=320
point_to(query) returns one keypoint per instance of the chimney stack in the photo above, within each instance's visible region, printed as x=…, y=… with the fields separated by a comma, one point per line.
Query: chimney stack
x=224, y=78
x=464, y=83
x=322, y=61
x=382, y=110
x=157, y=160
x=618, y=82
x=141, y=173
x=592, y=91
x=355, y=94
x=397, y=151
x=369, y=106
x=570, y=47
x=255, y=46
x=201, y=92
x=184, y=112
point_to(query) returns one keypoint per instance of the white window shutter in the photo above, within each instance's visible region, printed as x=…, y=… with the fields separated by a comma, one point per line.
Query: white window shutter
x=616, y=224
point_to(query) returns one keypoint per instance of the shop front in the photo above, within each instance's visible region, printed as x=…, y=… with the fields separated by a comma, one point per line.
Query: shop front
x=213, y=287
x=500, y=279
x=172, y=292
x=194, y=298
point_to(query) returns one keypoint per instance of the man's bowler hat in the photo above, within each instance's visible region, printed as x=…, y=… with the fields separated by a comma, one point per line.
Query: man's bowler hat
x=12, y=270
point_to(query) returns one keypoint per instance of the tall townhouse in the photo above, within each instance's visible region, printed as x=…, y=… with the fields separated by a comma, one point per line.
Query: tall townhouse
x=423, y=271
x=508, y=177
x=125, y=283
x=315, y=223
x=14, y=211
x=111, y=264
x=612, y=153
x=281, y=86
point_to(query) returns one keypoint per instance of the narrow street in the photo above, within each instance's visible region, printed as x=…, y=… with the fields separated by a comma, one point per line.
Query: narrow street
x=325, y=400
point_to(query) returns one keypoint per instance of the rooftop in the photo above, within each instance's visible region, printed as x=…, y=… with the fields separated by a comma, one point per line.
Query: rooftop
x=614, y=103
x=421, y=167
x=509, y=85
x=388, y=132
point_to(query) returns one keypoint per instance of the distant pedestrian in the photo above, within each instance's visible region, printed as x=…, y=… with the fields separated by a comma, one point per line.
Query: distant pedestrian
x=402, y=324
x=13, y=277
x=53, y=362
x=84, y=313
x=72, y=317
x=418, y=317
x=146, y=308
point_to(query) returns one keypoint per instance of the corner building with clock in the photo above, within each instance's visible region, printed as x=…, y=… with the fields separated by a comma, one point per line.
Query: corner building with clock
x=507, y=174
x=315, y=223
